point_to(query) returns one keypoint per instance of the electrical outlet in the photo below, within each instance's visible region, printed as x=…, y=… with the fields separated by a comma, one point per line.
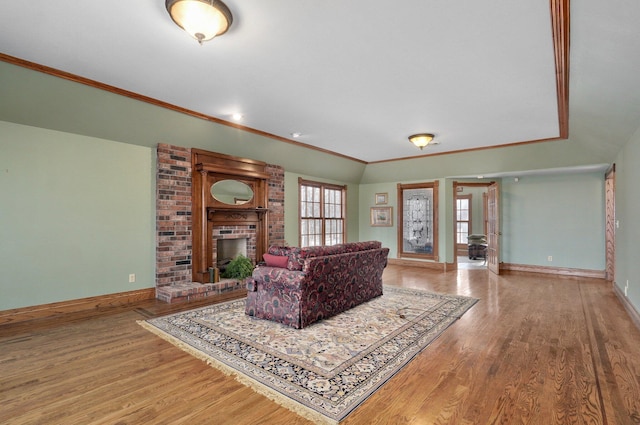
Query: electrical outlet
x=550, y=258
x=132, y=278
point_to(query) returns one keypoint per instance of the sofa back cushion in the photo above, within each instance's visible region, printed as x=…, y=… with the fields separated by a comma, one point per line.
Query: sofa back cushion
x=296, y=255
x=362, y=246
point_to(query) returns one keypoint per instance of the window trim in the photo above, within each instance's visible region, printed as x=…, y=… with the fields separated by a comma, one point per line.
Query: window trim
x=322, y=186
x=462, y=246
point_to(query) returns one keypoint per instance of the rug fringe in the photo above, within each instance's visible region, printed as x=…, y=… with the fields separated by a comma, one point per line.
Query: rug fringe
x=256, y=386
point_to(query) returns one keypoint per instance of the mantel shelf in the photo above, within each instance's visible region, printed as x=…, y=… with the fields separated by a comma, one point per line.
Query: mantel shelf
x=222, y=209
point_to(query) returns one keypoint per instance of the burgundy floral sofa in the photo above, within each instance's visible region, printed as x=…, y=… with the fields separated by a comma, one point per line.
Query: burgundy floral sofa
x=299, y=286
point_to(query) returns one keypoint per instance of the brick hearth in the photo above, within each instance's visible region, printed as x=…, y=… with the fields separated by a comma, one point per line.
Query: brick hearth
x=190, y=291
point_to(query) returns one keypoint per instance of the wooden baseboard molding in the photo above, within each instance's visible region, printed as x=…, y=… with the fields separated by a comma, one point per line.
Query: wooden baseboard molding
x=73, y=306
x=417, y=263
x=633, y=313
x=563, y=271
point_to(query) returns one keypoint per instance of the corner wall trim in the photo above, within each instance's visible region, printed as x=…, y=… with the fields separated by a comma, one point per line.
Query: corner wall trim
x=417, y=263
x=563, y=271
x=100, y=302
x=633, y=313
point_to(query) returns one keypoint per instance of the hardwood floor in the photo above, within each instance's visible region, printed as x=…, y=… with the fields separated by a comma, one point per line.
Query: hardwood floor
x=534, y=350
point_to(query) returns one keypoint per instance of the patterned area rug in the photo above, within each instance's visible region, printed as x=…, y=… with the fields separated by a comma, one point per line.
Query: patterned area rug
x=322, y=372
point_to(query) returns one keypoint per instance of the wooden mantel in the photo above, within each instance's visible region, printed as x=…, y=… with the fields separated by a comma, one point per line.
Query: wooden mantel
x=207, y=212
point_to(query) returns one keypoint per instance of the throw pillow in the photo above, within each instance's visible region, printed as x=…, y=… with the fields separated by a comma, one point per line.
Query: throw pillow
x=276, y=260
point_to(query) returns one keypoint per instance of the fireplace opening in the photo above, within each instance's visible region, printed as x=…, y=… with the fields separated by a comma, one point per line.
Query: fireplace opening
x=228, y=249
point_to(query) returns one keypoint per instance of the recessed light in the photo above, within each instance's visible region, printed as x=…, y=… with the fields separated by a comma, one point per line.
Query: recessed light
x=237, y=116
x=296, y=134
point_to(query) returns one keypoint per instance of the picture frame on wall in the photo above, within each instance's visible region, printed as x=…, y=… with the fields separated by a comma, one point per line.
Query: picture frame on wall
x=382, y=198
x=381, y=216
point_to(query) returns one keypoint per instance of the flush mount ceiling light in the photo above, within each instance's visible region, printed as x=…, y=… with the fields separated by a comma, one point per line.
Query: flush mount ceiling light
x=421, y=140
x=201, y=19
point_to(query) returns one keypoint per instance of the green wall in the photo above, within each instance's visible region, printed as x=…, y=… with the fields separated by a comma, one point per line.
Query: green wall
x=477, y=213
x=561, y=216
x=388, y=235
x=627, y=210
x=555, y=215
x=40, y=100
x=77, y=216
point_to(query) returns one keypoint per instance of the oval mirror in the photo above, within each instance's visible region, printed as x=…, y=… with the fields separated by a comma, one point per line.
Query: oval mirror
x=231, y=192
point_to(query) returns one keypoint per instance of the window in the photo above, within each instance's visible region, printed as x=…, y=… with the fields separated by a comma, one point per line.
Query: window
x=418, y=220
x=322, y=211
x=463, y=219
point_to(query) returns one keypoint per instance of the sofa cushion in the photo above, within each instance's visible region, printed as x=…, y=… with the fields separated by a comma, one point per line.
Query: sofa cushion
x=321, y=251
x=276, y=260
x=278, y=250
x=297, y=255
x=294, y=262
x=362, y=246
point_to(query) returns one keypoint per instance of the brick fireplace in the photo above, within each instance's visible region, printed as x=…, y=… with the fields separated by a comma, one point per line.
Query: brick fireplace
x=174, y=227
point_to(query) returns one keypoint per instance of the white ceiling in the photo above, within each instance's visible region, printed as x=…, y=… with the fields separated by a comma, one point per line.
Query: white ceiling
x=354, y=77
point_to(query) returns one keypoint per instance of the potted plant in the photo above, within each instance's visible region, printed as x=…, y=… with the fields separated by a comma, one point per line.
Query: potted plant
x=239, y=268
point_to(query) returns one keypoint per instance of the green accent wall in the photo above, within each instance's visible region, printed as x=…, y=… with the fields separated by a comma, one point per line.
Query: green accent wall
x=77, y=216
x=561, y=216
x=627, y=212
x=389, y=235
x=32, y=98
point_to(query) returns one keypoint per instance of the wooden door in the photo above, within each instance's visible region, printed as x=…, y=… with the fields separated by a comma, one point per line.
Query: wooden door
x=493, y=229
x=610, y=231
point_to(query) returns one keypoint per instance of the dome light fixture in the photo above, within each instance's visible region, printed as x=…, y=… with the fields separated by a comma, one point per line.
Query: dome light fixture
x=421, y=139
x=201, y=19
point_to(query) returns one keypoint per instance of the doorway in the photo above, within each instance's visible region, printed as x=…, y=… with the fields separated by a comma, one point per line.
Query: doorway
x=470, y=224
x=611, y=223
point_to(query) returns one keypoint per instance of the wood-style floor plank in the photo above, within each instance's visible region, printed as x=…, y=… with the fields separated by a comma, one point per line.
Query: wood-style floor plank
x=536, y=349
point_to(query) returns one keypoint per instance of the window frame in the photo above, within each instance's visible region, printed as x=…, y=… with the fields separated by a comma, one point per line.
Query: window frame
x=343, y=208
x=463, y=245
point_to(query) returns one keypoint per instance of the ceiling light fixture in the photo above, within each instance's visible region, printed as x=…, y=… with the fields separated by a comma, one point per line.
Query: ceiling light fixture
x=421, y=140
x=296, y=135
x=201, y=19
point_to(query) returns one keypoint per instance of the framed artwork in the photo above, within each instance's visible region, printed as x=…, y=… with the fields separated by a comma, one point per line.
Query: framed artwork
x=381, y=198
x=382, y=216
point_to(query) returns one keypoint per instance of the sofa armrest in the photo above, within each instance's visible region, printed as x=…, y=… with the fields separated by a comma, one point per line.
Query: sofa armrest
x=252, y=285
